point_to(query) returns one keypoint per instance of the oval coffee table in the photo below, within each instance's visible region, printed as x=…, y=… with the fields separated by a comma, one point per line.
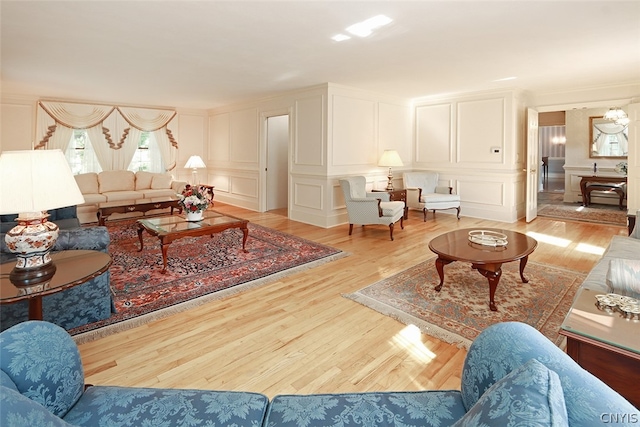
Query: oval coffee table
x=488, y=260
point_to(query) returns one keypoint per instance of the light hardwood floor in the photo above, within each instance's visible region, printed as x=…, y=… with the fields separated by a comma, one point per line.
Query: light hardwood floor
x=299, y=335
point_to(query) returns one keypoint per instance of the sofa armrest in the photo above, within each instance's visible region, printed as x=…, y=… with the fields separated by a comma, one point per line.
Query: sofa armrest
x=444, y=190
x=88, y=238
x=503, y=347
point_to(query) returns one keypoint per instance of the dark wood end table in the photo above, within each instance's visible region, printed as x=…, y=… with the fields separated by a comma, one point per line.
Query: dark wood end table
x=455, y=246
x=397, y=195
x=72, y=268
x=605, y=344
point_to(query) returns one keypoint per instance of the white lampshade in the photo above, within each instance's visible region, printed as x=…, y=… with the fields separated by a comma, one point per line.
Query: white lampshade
x=195, y=162
x=390, y=158
x=36, y=180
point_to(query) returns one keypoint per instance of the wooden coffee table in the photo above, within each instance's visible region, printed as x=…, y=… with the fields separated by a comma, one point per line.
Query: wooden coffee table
x=455, y=246
x=170, y=228
x=141, y=205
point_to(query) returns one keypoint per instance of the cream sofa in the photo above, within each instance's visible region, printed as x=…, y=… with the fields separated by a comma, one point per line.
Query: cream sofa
x=122, y=185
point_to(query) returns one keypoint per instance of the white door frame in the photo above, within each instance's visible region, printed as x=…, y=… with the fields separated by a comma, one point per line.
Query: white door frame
x=533, y=165
x=262, y=196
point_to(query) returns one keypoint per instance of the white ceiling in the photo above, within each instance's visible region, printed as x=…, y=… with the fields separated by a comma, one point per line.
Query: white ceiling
x=202, y=54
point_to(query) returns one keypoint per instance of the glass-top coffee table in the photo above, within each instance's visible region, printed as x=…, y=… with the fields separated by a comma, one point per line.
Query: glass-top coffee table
x=170, y=228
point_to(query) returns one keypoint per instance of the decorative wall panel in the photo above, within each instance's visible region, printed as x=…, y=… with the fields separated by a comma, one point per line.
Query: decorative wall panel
x=307, y=195
x=244, y=136
x=433, y=134
x=309, y=137
x=243, y=186
x=482, y=192
x=480, y=126
x=219, y=137
x=353, y=132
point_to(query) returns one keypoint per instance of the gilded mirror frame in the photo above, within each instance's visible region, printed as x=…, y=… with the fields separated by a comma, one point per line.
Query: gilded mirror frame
x=607, y=140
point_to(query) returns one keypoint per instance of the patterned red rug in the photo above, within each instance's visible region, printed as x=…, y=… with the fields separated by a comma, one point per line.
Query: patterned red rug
x=199, y=269
x=460, y=311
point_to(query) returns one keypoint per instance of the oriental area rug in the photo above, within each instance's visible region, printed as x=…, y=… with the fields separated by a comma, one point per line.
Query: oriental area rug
x=576, y=212
x=460, y=311
x=199, y=269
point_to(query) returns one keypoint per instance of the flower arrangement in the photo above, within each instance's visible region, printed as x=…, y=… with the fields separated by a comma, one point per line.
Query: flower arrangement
x=622, y=168
x=193, y=199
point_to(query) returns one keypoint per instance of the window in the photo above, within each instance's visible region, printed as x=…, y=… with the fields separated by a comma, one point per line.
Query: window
x=80, y=154
x=147, y=157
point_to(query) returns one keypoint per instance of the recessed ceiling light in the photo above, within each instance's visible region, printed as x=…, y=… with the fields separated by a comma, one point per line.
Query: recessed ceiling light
x=505, y=79
x=340, y=37
x=366, y=27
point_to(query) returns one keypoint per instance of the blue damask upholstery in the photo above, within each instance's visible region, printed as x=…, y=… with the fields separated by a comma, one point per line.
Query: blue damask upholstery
x=77, y=306
x=529, y=395
x=512, y=376
x=422, y=408
x=41, y=361
x=504, y=347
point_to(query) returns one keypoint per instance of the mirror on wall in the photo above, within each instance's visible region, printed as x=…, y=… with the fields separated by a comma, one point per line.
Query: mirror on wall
x=607, y=139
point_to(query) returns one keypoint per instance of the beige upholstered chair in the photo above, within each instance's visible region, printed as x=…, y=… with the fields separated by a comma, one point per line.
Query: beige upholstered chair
x=369, y=208
x=424, y=193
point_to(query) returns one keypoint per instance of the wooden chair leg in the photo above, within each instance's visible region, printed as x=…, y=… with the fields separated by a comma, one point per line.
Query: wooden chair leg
x=350, y=229
x=401, y=223
x=424, y=212
x=458, y=208
x=391, y=230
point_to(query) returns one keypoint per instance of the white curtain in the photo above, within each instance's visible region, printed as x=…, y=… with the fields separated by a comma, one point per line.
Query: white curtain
x=156, y=121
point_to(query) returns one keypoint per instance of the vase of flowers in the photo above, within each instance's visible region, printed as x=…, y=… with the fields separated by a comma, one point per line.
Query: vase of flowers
x=193, y=202
x=622, y=168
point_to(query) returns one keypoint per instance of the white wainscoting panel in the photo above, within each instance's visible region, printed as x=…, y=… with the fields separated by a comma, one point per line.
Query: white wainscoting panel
x=244, y=136
x=244, y=186
x=219, y=137
x=353, y=131
x=309, y=137
x=482, y=192
x=433, y=134
x=308, y=195
x=480, y=126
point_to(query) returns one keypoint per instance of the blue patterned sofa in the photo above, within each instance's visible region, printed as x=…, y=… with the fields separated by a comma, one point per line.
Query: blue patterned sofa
x=76, y=306
x=512, y=376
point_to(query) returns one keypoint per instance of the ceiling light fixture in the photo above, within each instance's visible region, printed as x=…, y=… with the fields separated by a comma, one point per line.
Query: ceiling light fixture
x=615, y=114
x=366, y=27
x=340, y=37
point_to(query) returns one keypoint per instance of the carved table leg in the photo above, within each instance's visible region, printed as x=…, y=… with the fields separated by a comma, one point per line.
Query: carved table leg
x=245, y=234
x=523, y=263
x=494, y=279
x=140, y=230
x=440, y=263
x=165, y=249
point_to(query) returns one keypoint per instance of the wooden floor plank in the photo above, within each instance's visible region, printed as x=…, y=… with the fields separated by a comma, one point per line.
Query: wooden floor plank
x=300, y=335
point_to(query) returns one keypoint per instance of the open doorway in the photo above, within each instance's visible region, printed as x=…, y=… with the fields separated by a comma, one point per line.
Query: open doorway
x=277, y=176
x=551, y=143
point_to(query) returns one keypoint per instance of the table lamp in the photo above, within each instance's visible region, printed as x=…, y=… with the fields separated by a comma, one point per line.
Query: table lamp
x=390, y=158
x=194, y=163
x=32, y=182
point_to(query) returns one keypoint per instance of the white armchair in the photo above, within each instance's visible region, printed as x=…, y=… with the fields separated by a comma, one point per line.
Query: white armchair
x=367, y=208
x=424, y=193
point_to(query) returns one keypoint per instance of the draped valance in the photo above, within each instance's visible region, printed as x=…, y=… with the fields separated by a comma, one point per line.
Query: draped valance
x=57, y=120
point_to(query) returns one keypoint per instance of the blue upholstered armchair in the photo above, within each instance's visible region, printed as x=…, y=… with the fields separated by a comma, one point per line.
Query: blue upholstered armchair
x=76, y=306
x=366, y=208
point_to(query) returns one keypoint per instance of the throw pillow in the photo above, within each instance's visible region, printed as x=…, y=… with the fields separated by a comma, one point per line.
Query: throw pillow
x=623, y=277
x=529, y=395
x=143, y=180
x=161, y=181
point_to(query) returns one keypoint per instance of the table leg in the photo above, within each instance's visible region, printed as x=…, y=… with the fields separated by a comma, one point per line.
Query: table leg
x=440, y=263
x=35, y=308
x=583, y=190
x=523, y=264
x=494, y=279
x=140, y=230
x=245, y=235
x=165, y=249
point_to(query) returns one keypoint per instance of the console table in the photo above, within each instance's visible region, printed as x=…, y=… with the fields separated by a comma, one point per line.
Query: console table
x=612, y=182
